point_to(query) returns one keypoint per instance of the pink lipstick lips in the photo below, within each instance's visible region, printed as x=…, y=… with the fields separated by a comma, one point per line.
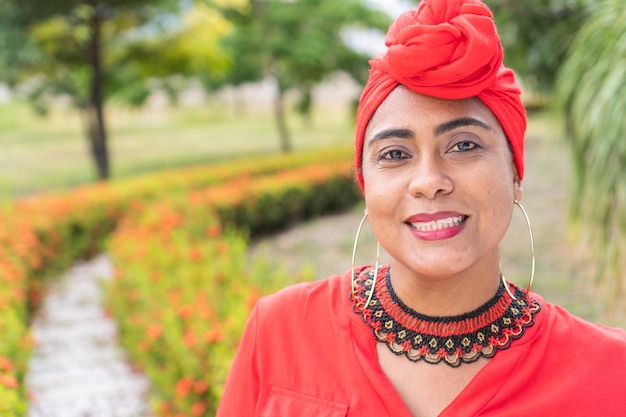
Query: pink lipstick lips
x=436, y=226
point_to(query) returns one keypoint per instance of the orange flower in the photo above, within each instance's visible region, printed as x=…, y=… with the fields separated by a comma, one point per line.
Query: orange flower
x=164, y=407
x=214, y=335
x=135, y=319
x=5, y=364
x=184, y=386
x=171, y=220
x=189, y=339
x=174, y=296
x=35, y=262
x=198, y=408
x=154, y=331
x=134, y=295
x=205, y=312
x=9, y=381
x=222, y=248
x=186, y=311
x=213, y=231
x=195, y=254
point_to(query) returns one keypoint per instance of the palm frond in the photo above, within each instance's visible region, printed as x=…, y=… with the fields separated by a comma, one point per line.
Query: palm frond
x=591, y=88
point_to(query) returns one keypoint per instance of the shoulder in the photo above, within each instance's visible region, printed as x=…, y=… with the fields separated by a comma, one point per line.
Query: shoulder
x=567, y=325
x=301, y=316
x=566, y=344
x=568, y=336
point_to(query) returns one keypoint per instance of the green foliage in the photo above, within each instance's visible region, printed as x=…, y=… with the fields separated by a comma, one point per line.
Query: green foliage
x=183, y=296
x=536, y=35
x=179, y=300
x=591, y=90
x=296, y=44
x=48, y=45
x=42, y=235
x=93, y=51
x=287, y=199
x=191, y=49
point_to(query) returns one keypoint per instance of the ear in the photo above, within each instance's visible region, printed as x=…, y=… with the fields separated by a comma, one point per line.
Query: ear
x=518, y=190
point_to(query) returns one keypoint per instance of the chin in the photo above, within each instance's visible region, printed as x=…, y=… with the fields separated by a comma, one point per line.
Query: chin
x=431, y=270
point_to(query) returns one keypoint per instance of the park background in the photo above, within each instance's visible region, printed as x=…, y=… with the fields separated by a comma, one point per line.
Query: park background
x=228, y=128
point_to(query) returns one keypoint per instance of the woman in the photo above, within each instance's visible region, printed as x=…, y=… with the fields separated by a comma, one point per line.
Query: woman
x=438, y=331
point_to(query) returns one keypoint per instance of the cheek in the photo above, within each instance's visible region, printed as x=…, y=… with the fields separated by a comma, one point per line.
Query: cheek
x=374, y=190
x=498, y=199
x=380, y=203
x=375, y=201
x=382, y=192
x=499, y=179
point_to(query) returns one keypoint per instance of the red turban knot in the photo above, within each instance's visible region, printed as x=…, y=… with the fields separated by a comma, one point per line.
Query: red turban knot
x=449, y=50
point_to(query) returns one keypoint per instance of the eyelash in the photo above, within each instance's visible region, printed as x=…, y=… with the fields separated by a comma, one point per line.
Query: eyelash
x=386, y=156
x=456, y=148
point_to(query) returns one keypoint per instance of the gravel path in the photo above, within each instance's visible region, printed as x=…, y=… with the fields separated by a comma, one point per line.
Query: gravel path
x=77, y=368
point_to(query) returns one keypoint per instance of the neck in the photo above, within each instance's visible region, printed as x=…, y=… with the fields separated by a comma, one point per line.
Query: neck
x=445, y=296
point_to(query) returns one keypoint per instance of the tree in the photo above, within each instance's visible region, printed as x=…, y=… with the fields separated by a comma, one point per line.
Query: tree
x=296, y=44
x=592, y=90
x=190, y=50
x=92, y=50
x=536, y=35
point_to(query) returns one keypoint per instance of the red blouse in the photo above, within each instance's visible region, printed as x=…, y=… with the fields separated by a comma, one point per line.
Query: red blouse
x=306, y=353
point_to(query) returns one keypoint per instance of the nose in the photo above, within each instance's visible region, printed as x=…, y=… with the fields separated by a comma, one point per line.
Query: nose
x=430, y=179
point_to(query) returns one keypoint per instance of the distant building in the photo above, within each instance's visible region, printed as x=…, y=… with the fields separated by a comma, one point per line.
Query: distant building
x=5, y=94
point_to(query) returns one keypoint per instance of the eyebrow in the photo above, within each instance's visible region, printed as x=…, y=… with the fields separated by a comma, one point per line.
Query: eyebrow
x=463, y=121
x=392, y=133
x=439, y=130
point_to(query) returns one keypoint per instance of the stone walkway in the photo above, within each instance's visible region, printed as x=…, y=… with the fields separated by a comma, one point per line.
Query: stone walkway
x=77, y=368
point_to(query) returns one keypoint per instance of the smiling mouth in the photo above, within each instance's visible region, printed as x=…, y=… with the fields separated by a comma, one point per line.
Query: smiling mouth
x=435, y=225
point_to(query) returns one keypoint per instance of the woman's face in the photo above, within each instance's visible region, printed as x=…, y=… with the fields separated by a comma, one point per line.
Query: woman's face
x=439, y=184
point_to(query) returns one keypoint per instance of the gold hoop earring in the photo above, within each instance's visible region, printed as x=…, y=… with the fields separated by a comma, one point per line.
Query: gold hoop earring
x=352, y=277
x=532, y=259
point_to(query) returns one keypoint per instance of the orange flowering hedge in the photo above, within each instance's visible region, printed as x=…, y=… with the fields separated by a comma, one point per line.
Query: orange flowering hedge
x=42, y=235
x=183, y=294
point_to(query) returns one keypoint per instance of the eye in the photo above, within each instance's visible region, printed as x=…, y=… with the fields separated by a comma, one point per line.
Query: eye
x=464, y=146
x=393, y=155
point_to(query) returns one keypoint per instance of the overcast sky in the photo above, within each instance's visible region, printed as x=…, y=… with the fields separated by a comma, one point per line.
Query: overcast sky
x=372, y=42
x=394, y=7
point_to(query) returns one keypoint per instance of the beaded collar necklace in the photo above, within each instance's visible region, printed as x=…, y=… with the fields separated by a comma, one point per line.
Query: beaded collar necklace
x=452, y=340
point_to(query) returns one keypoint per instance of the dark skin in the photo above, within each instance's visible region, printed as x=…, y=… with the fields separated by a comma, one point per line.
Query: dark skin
x=440, y=185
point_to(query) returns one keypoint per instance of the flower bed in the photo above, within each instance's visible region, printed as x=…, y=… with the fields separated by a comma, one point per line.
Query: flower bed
x=183, y=295
x=43, y=235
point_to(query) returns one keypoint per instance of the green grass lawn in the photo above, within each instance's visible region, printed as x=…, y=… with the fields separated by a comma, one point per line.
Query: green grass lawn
x=41, y=154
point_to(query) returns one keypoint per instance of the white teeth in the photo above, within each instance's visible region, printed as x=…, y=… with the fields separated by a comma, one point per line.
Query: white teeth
x=438, y=224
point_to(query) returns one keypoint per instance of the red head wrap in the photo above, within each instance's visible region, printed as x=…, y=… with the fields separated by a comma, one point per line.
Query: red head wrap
x=447, y=49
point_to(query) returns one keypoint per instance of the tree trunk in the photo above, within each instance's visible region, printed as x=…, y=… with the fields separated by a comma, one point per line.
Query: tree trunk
x=305, y=107
x=94, y=111
x=281, y=118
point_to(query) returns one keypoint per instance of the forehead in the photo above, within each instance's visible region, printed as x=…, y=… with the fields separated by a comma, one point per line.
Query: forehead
x=406, y=108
